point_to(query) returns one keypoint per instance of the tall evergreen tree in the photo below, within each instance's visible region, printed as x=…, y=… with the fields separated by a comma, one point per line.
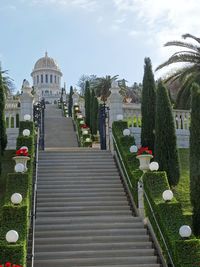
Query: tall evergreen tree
x=92, y=97
x=166, y=153
x=3, y=137
x=70, y=102
x=148, y=106
x=95, y=116
x=87, y=103
x=195, y=158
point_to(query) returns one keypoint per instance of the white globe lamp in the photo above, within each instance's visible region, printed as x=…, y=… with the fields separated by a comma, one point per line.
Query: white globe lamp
x=126, y=132
x=87, y=139
x=12, y=236
x=27, y=117
x=185, y=231
x=167, y=195
x=133, y=149
x=26, y=132
x=19, y=167
x=153, y=166
x=16, y=198
x=76, y=108
x=85, y=132
x=120, y=117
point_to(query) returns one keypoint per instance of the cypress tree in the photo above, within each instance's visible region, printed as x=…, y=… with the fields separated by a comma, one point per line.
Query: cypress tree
x=95, y=112
x=195, y=158
x=3, y=136
x=166, y=153
x=148, y=106
x=87, y=103
x=70, y=102
x=92, y=97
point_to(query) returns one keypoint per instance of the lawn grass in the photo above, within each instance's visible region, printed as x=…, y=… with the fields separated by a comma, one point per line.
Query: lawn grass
x=7, y=167
x=182, y=190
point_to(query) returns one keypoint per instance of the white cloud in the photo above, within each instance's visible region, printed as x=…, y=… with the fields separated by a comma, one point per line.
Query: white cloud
x=162, y=21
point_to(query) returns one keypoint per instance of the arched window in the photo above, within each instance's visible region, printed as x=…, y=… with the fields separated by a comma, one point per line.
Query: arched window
x=37, y=78
x=41, y=78
x=46, y=92
x=17, y=120
x=12, y=122
x=46, y=78
x=51, y=78
x=7, y=122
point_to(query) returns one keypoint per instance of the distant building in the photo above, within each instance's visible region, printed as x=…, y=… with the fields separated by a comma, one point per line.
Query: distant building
x=47, y=79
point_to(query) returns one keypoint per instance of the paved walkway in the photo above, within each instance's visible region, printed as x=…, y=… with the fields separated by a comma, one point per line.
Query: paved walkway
x=59, y=131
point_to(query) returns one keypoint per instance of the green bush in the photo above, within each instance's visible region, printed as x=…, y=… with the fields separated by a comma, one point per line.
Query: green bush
x=129, y=159
x=26, y=141
x=26, y=125
x=13, y=253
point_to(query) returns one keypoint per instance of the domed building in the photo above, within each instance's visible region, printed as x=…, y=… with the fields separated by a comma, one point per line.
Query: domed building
x=47, y=79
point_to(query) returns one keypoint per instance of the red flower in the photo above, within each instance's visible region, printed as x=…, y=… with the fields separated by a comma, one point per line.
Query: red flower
x=144, y=150
x=22, y=152
x=8, y=264
x=83, y=126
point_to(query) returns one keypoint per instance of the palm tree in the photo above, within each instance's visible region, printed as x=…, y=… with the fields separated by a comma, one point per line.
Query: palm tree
x=189, y=72
x=7, y=82
x=102, y=86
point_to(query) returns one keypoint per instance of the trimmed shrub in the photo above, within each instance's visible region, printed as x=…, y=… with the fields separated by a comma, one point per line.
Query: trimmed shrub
x=148, y=106
x=87, y=103
x=26, y=125
x=195, y=158
x=15, y=253
x=166, y=153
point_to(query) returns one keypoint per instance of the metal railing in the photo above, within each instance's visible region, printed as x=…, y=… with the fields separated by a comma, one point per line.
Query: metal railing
x=150, y=228
x=30, y=258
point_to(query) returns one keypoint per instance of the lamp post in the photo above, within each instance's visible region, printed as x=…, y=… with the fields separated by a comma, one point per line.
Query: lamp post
x=38, y=115
x=103, y=114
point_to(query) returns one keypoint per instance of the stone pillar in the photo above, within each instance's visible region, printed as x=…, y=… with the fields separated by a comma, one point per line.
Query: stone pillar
x=26, y=100
x=115, y=104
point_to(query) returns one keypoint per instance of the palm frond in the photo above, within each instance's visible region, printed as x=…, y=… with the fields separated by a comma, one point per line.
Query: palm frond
x=183, y=44
x=188, y=35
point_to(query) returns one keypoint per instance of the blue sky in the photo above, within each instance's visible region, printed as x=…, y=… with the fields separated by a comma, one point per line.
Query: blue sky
x=102, y=37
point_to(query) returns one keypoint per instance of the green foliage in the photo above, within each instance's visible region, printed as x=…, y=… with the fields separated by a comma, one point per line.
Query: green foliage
x=17, y=217
x=129, y=159
x=70, y=102
x=195, y=158
x=169, y=215
x=14, y=253
x=94, y=108
x=87, y=103
x=26, y=125
x=166, y=153
x=3, y=136
x=188, y=252
x=148, y=107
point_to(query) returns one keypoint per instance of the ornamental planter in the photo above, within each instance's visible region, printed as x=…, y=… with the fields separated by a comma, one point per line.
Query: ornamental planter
x=144, y=162
x=23, y=160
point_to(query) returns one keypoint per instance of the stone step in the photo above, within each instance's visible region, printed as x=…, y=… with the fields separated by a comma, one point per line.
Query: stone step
x=82, y=213
x=90, y=239
x=96, y=254
x=83, y=208
x=93, y=246
x=84, y=204
x=68, y=199
x=96, y=261
x=79, y=194
x=80, y=177
x=87, y=219
x=90, y=226
x=66, y=190
x=91, y=233
x=81, y=183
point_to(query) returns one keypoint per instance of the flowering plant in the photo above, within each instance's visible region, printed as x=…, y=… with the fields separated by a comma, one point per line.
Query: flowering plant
x=9, y=264
x=144, y=151
x=22, y=152
x=84, y=126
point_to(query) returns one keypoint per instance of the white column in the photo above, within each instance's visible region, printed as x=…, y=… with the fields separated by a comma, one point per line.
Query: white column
x=26, y=100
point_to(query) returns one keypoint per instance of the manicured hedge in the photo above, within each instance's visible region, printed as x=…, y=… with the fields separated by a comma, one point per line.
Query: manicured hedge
x=129, y=159
x=185, y=253
x=17, y=217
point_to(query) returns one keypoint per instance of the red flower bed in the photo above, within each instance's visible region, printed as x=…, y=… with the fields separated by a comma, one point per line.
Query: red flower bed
x=21, y=152
x=144, y=151
x=9, y=264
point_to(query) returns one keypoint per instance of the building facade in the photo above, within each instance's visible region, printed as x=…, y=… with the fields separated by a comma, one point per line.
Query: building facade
x=46, y=77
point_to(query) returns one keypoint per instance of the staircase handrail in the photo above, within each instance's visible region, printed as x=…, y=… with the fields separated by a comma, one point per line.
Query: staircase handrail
x=148, y=223
x=34, y=198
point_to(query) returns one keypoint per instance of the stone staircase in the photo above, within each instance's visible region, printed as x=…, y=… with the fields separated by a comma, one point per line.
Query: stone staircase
x=83, y=215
